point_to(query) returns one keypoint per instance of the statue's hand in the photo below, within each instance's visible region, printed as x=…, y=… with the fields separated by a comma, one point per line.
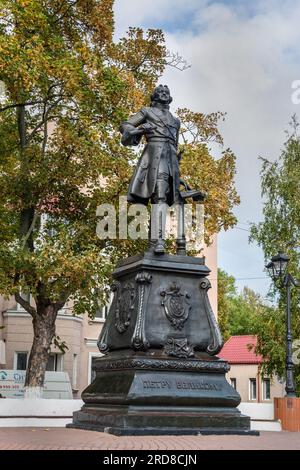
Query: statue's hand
x=185, y=184
x=147, y=128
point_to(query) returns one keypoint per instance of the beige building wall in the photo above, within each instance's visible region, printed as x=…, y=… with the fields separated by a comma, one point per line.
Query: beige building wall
x=211, y=261
x=89, y=350
x=78, y=332
x=242, y=373
x=17, y=335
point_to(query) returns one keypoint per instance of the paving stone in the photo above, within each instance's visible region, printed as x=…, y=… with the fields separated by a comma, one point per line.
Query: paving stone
x=62, y=438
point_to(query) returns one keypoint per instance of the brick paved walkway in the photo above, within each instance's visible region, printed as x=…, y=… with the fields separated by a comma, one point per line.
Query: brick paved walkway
x=70, y=439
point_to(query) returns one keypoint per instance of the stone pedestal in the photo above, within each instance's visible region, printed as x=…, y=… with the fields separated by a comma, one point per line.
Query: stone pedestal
x=160, y=373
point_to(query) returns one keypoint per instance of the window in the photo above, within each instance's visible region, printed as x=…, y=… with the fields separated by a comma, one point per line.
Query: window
x=102, y=313
x=20, y=360
x=252, y=389
x=233, y=383
x=54, y=363
x=266, y=389
x=2, y=352
x=26, y=296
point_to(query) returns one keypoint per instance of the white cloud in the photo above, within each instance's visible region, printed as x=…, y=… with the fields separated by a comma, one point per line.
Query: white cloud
x=151, y=12
x=244, y=58
x=240, y=66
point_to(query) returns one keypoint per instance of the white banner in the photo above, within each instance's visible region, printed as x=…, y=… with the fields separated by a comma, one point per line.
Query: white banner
x=57, y=384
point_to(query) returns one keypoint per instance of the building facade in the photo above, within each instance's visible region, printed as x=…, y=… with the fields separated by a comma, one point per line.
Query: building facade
x=245, y=374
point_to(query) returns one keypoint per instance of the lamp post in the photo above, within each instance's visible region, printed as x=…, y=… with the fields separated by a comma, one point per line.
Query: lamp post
x=278, y=270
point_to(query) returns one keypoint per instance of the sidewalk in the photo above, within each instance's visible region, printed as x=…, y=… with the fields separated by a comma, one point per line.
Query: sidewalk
x=73, y=439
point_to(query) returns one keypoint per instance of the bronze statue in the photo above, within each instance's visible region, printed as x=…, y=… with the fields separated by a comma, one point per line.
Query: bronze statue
x=156, y=176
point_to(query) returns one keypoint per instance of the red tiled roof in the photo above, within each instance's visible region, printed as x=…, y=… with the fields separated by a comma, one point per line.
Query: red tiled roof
x=236, y=351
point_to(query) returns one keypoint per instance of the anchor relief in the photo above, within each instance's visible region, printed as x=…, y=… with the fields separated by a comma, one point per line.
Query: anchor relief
x=178, y=347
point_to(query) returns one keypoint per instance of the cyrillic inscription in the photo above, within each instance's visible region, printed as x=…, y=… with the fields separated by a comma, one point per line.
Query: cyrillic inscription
x=180, y=385
x=156, y=384
x=197, y=386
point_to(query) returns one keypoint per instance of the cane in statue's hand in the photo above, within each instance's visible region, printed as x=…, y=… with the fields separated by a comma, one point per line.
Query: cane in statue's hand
x=180, y=155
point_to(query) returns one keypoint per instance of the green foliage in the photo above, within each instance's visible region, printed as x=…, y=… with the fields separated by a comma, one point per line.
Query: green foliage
x=241, y=313
x=246, y=310
x=280, y=181
x=226, y=292
x=68, y=86
x=270, y=331
x=280, y=230
x=201, y=170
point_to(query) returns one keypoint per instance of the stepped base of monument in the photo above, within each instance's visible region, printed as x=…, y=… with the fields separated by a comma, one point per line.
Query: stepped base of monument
x=147, y=393
x=139, y=421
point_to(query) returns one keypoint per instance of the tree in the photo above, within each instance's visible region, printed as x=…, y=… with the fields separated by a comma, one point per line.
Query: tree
x=68, y=86
x=246, y=312
x=226, y=292
x=201, y=170
x=280, y=230
x=239, y=313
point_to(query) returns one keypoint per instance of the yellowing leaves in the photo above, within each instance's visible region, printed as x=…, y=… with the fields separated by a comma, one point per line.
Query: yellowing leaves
x=203, y=171
x=76, y=85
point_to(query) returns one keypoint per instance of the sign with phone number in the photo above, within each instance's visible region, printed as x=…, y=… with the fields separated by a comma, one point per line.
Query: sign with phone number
x=12, y=383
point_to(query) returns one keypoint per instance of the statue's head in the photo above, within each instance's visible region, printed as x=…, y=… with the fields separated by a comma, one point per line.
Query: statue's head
x=161, y=94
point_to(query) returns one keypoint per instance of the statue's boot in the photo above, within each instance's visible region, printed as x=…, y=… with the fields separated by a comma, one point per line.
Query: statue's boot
x=160, y=247
x=158, y=227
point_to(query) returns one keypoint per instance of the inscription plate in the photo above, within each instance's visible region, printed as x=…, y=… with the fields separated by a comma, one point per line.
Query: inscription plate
x=151, y=383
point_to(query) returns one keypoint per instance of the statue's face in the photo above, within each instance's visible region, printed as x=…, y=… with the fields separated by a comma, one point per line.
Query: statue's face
x=163, y=95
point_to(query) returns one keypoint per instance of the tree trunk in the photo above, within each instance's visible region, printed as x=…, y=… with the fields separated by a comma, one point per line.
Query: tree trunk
x=44, y=331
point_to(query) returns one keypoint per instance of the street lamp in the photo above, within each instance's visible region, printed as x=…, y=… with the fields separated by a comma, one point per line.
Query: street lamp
x=278, y=271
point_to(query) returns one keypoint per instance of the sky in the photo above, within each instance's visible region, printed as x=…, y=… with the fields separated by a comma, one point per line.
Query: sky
x=244, y=58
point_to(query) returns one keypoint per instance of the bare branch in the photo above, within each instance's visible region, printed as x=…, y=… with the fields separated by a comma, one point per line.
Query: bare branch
x=173, y=59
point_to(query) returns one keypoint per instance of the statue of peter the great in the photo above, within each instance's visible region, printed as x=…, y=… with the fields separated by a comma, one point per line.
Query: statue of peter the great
x=156, y=176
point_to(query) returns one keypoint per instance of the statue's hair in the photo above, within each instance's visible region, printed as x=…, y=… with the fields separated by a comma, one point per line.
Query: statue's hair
x=155, y=93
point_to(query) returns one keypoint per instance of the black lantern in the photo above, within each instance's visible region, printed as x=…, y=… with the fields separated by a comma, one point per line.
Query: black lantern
x=277, y=266
x=278, y=271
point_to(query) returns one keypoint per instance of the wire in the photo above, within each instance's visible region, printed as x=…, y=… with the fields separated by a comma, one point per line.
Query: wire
x=241, y=228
